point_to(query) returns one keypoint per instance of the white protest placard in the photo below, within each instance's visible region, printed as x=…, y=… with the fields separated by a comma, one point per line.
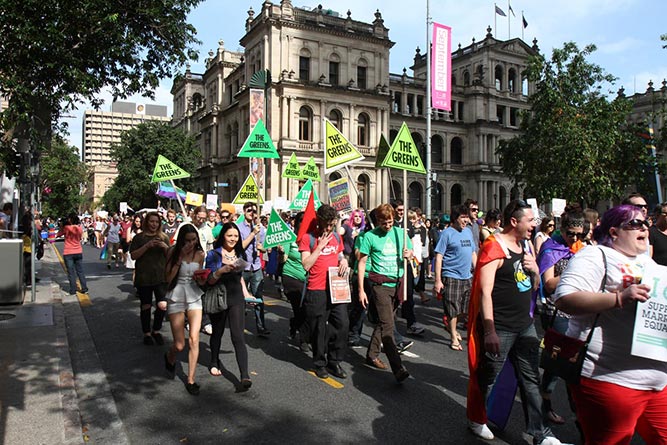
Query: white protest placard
x=211, y=201
x=123, y=208
x=558, y=206
x=532, y=202
x=649, y=338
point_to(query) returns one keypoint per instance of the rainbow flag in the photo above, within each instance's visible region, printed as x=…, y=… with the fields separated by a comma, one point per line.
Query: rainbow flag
x=166, y=190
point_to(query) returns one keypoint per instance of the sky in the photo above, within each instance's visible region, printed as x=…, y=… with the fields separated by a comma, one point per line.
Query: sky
x=626, y=33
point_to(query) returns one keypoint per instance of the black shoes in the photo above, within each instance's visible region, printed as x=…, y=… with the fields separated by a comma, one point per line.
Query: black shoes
x=263, y=332
x=246, y=384
x=321, y=372
x=148, y=340
x=170, y=367
x=401, y=375
x=158, y=338
x=337, y=371
x=192, y=388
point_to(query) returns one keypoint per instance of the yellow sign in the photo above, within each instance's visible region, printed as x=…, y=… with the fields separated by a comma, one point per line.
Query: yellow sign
x=311, y=170
x=403, y=153
x=249, y=192
x=338, y=151
x=292, y=170
x=194, y=199
x=166, y=170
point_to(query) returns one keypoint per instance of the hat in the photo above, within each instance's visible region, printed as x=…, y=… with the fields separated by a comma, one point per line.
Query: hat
x=445, y=219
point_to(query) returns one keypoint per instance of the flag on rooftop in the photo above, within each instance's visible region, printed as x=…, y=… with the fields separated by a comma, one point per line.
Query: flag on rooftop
x=500, y=11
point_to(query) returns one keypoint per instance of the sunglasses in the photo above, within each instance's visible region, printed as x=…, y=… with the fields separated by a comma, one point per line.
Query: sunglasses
x=251, y=210
x=575, y=235
x=224, y=216
x=641, y=206
x=551, y=225
x=474, y=210
x=635, y=224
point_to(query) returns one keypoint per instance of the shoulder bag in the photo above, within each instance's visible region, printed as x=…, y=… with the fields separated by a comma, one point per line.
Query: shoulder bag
x=562, y=355
x=214, y=299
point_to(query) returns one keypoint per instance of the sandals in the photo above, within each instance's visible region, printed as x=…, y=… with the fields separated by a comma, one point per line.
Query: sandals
x=456, y=346
x=215, y=369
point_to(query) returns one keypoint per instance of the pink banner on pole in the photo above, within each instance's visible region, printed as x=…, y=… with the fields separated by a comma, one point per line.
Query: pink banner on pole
x=441, y=68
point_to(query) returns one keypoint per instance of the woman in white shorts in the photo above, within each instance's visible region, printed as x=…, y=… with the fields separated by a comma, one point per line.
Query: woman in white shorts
x=184, y=297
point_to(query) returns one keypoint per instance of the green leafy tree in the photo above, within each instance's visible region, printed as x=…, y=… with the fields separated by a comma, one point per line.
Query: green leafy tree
x=56, y=54
x=575, y=143
x=63, y=176
x=136, y=156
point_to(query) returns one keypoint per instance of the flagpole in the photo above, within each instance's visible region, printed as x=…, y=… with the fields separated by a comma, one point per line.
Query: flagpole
x=522, y=27
x=178, y=197
x=495, y=19
x=509, y=11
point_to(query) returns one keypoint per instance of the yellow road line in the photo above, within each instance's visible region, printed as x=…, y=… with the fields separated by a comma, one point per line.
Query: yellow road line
x=329, y=381
x=84, y=300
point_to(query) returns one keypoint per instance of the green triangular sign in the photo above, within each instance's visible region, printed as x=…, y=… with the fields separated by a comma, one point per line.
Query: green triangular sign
x=277, y=232
x=383, y=149
x=311, y=170
x=403, y=153
x=248, y=192
x=338, y=151
x=292, y=170
x=240, y=220
x=301, y=199
x=165, y=170
x=258, y=144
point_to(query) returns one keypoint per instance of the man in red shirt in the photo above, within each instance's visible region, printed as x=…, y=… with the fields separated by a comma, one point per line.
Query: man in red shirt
x=320, y=250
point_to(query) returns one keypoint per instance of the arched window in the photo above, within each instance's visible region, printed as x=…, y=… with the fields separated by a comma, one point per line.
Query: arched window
x=437, y=196
x=363, y=126
x=453, y=79
x=396, y=190
x=305, y=124
x=336, y=119
x=362, y=74
x=363, y=186
x=415, y=191
x=304, y=65
x=456, y=195
x=466, y=78
x=511, y=80
x=333, y=176
x=419, y=144
x=524, y=86
x=334, y=69
x=499, y=77
x=436, y=149
x=456, y=151
x=392, y=136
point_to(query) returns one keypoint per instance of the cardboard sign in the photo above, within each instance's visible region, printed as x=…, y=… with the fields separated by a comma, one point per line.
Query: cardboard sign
x=248, y=192
x=277, y=232
x=211, y=201
x=258, y=144
x=311, y=170
x=194, y=199
x=383, y=150
x=403, y=153
x=558, y=206
x=338, y=151
x=649, y=338
x=301, y=199
x=339, y=195
x=339, y=287
x=165, y=170
x=292, y=170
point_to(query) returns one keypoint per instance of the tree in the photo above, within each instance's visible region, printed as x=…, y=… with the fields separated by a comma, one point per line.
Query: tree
x=56, y=54
x=575, y=143
x=136, y=156
x=63, y=175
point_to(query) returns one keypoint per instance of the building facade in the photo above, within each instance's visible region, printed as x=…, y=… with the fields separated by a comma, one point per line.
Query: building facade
x=325, y=65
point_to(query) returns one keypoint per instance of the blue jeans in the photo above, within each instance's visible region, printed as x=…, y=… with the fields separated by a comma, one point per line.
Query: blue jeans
x=523, y=349
x=255, y=282
x=74, y=263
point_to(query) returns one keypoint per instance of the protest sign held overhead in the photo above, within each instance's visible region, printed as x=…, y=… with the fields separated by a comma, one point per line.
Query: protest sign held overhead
x=301, y=199
x=403, y=153
x=165, y=170
x=194, y=199
x=338, y=151
x=292, y=170
x=258, y=144
x=383, y=149
x=277, y=232
x=339, y=195
x=311, y=170
x=248, y=192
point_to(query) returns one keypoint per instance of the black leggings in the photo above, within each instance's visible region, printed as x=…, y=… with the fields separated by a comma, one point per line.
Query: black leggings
x=236, y=315
x=146, y=297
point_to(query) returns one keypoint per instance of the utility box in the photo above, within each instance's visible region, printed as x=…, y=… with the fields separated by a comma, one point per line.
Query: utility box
x=11, y=271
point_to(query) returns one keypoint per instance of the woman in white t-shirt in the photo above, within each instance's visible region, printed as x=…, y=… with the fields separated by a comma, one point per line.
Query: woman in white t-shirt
x=618, y=393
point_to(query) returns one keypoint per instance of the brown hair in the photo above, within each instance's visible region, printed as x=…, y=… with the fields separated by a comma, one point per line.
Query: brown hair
x=383, y=212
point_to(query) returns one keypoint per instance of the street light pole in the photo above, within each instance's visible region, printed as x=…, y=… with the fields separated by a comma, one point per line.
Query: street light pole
x=428, y=112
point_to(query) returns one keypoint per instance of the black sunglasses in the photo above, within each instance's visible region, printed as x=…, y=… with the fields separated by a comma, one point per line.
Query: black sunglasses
x=251, y=210
x=575, y=235
x=224, y=216
x=641, y=206
x=635, y=224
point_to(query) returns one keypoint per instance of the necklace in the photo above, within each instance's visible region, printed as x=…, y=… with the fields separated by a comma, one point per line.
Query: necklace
x=228, y=257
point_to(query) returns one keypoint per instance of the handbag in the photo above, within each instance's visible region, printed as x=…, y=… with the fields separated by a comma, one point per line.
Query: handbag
x=214, y=299
x=564, y=356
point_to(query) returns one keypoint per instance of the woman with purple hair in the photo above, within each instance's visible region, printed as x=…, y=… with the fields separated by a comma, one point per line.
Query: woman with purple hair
x=618, y=393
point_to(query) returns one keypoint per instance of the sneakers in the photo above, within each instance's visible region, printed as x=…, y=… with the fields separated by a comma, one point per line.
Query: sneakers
x=481, y=430
x=550, y=440
x=321, y=372
x=415, y=329
x=404, y=346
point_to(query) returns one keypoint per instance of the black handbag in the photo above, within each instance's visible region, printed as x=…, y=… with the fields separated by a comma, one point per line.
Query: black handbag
x=214, y=299
x=564, y=356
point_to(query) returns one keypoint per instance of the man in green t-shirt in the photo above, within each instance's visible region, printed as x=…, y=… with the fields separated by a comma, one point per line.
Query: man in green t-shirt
x=385, y=246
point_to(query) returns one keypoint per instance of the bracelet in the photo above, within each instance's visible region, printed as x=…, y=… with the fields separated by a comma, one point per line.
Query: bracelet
x=619, y=301
x=487, y=333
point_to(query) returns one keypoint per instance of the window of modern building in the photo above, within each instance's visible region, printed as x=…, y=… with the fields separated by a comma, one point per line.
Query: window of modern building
x=362, y=129
x=305, y=124
x=361, y=77
x=304, y=68
x=456, y=152
x=334, y=69
x=336, y=119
